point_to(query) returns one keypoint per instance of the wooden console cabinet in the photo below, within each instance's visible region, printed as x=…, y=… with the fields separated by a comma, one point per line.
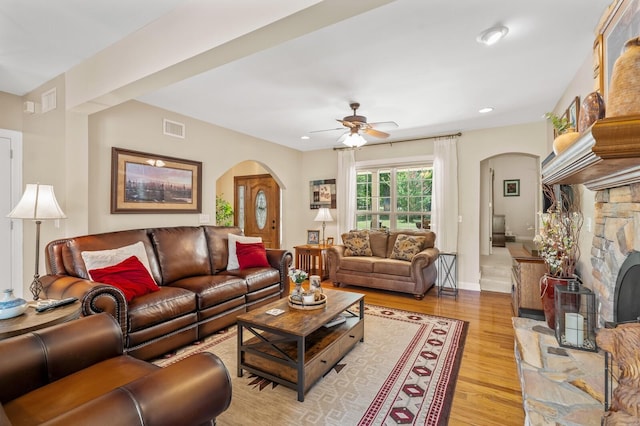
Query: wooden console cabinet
x=526, y=272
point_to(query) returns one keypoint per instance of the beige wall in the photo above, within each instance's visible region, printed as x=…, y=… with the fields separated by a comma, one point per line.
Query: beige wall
x=137, y=126
x=11, y=115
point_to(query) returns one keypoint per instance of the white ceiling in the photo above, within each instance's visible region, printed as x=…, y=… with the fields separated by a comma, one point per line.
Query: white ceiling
x=415, y=62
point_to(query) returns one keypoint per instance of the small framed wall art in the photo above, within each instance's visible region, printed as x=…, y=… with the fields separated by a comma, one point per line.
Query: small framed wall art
x=313, y=237
x=149, y=183
x=511, y=187
x=322, y=193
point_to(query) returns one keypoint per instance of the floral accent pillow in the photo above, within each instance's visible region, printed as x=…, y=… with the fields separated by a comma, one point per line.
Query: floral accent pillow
x=406, y=247
x=357, y=244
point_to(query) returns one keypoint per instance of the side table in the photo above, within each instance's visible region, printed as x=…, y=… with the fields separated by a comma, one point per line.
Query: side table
x=448, y=274
x=32, y=320
x=312, y=259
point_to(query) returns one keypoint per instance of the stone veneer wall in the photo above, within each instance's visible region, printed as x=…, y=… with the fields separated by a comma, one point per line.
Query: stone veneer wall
x=616, y=234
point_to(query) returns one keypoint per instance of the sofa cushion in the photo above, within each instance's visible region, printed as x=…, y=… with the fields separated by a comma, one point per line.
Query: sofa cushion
x=160, y=307
x=399, y=268
x=357, y=243
x=251, y=255
x=218, y=242
x=232, y=263
x=358, y=263
x=182, y=252
x=99, y=259
x=406, y=246
x=378, y=242
x=130, y=276
x=213, y=289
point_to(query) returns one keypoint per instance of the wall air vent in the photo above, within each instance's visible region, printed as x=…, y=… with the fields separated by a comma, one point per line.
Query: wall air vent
x=173, y=128
x=49, y=100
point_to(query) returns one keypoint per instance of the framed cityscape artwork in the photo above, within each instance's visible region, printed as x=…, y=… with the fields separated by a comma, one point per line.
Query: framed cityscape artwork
x=149, y=183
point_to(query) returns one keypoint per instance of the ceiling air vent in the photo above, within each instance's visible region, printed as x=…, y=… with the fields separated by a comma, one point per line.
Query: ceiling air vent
x=49, y=100
x=173, y=128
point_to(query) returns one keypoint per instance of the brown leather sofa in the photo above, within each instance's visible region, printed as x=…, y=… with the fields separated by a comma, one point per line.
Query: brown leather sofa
x=76, y=374
x=197, y=295
x=379, y=270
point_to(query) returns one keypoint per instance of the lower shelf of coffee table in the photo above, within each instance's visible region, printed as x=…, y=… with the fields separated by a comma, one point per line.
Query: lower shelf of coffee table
x=323, y=349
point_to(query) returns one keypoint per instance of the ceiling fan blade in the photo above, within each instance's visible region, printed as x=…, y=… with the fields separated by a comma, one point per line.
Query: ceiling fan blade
x=347, y=123
x=384, y=125
x=375, y=133
x=327, y=130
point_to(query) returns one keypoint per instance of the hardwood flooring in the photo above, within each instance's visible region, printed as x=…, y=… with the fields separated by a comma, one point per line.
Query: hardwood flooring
x=488, y=388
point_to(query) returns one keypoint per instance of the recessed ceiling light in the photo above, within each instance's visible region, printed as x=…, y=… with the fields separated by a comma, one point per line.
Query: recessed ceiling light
x=485, y=110
x=305, y=137
x=492, y=35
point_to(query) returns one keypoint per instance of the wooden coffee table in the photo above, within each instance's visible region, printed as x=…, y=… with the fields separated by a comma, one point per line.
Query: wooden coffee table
x=294, y=348
x=32, y=320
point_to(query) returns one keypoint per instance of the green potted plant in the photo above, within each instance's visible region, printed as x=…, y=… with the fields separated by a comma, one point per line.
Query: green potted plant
x=565, y=134
x=224, y=212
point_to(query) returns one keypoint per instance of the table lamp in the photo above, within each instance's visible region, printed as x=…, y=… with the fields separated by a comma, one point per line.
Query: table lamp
x=38, y=203
x=324, y=216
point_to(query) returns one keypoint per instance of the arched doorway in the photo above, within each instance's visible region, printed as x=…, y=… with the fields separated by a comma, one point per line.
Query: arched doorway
x=510, y=196
x=255, y=192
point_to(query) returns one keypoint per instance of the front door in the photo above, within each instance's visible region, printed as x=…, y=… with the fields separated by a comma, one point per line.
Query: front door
x=257, y=208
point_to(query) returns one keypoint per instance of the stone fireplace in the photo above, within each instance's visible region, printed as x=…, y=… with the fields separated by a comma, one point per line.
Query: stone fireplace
x=614, y=254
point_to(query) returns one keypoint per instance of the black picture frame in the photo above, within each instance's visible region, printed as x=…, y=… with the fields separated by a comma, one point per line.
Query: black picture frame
x=511, y=187
x=322, y=193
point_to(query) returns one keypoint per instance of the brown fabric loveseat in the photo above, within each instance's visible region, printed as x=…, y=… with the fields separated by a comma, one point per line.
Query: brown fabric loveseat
x=409, y=269
x=197, y=297
x=76, y=374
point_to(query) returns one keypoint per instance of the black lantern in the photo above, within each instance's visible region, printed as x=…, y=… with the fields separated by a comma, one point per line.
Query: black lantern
x=575, y=317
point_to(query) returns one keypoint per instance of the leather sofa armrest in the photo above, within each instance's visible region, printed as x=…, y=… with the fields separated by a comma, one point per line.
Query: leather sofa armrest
x=95, y=297
x=35, y=359
x=193, y=391
x=281, y=260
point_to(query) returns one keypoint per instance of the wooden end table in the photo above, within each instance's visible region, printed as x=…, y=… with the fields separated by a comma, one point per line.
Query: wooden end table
x=312, y=259
x=32, y=320
x=294, y=348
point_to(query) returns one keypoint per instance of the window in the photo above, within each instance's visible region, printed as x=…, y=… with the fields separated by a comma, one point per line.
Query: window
x=396, y=197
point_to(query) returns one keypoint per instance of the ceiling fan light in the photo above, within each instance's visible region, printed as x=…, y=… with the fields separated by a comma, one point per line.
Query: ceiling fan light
x=492, y=35
x=354, y=140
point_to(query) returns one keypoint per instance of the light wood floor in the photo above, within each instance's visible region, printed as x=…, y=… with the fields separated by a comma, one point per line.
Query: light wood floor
x=488, y=389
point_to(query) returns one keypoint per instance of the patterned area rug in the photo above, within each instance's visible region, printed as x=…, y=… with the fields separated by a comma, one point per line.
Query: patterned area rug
x=403, y=373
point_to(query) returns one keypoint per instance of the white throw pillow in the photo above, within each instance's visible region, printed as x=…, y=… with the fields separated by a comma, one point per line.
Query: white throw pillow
x=232, y=263
x=102, y=258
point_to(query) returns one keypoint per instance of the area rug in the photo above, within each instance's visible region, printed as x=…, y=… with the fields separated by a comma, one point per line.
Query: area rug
x=404, y=372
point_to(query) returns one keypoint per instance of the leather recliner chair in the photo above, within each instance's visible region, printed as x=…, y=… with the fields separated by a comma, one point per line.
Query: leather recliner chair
x=76, y=373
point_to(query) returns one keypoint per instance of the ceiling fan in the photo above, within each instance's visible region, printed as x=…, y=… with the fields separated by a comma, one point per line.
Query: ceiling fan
x=358, y=123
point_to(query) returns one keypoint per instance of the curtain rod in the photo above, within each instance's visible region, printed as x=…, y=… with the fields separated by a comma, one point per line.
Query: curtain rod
x=449, y=136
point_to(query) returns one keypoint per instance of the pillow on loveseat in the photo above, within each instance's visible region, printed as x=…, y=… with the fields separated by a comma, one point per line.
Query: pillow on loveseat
x=357, y=243
x=130, y=276
x=406, y=246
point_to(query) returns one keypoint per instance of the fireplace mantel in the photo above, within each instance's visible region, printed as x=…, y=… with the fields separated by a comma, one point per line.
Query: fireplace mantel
x=607, y=155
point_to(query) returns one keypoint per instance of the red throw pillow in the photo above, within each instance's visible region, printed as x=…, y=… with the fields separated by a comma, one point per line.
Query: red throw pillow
x=251, y=255
x=130, y=276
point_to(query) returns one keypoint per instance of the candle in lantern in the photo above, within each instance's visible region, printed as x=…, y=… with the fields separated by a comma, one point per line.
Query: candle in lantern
x=574, y=328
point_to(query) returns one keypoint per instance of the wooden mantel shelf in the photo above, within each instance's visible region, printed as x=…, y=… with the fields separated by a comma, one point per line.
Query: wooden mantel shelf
x=605, y=156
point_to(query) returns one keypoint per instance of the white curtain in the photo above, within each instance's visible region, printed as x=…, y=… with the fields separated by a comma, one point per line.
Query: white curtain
x=444, y=204
x=346, y=191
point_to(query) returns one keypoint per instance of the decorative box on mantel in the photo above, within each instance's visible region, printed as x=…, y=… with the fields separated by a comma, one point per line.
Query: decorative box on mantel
x=606, y=156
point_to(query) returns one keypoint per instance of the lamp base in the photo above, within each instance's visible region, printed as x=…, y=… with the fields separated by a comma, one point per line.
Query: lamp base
x=36, y=287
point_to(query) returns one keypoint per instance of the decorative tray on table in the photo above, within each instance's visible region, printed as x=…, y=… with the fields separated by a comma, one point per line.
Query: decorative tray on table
x=318, y=304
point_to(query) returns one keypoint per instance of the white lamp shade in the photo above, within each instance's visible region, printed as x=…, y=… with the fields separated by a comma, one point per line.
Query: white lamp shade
x=38, y=202
x=324, y=215
x=354, y=140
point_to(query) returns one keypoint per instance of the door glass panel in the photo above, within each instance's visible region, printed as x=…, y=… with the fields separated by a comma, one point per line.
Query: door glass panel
x=261, y=209
x=241, y=206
